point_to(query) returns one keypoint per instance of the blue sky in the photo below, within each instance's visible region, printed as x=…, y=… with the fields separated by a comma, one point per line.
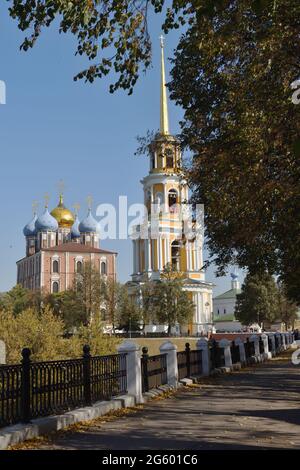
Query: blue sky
x=53, y=128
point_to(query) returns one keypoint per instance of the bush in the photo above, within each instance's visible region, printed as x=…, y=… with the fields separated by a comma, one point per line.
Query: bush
x=43, y=333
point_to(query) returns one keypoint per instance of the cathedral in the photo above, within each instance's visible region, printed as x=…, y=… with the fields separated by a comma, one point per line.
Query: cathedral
x=165, y=189
x=57, y=246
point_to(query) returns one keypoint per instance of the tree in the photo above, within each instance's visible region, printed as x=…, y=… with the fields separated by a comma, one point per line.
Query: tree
x=41, y=332
x=17, y=299
x=112, y=295
x=90, y=292
x=171, y=303
x=231, y=74
x=69, y=306
x=258, y=300
x=128, y=312
x=287, y=310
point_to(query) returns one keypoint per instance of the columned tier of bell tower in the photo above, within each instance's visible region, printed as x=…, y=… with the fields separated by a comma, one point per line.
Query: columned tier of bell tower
x=169, y=236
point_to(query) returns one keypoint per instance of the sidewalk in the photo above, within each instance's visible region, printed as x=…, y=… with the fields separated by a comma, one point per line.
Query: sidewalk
x=253, y=409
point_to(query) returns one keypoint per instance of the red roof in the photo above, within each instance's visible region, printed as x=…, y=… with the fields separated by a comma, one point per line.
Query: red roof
x=77, y=248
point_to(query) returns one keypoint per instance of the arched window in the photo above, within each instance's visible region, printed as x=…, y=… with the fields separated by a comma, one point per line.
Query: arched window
x=55, y=287
x=224, y=311
x=55, y=266
x=103, y=267
x=169, y=158
x=172, y=197
x=175, y=255
x=79, y=267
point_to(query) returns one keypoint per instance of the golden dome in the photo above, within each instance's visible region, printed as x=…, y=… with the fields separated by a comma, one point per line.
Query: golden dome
x=64, y=217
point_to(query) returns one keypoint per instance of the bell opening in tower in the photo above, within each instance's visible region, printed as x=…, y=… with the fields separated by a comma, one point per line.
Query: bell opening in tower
x=172, y=198
x=175, y=255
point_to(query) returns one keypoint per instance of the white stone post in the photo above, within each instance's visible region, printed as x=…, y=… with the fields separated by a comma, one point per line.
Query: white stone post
x=202, y=345
x=133, y=369
x=2, y=352
x=267, y=353
x=255, y=340
x=225, y=344
x=170, y=350
x=240, y=343
x=283, y=341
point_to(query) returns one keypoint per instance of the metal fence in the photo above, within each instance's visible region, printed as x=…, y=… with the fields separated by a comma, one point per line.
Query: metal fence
x=216, y=355
x=235, y=353
x=154, y=370
x=34, y=389
x=189, y=362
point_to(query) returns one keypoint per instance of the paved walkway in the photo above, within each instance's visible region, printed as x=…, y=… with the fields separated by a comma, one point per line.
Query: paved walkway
x=255, y=408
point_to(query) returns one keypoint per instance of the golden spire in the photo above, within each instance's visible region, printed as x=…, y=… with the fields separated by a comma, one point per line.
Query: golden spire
x=164, y=117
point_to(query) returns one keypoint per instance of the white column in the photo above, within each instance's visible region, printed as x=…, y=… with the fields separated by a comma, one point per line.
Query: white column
x=196, y=256
x=283, y=341
x=267, y=353
x=198, y=307
x=168, y=250
x=241, y=346
x=170, y=350
x=133, y=369
x=166, y=202
x=202, y=345
x=159, y=252
x=188, y=260
x=147, y=255
x=225, y=344
x=134, y=256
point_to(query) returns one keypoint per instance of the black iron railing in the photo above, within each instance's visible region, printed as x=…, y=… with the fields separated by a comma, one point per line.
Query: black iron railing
x=189, y=362
x=249, y=349
x=35, y=389
x=10, y=394
x=154, y=370
x=217, y=358
x=235, y=353
x=261, y=346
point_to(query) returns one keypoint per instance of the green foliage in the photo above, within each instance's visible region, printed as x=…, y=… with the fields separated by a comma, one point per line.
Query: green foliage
x=41, y=332
x=258, y=300
x=17, y=299
x=287, y=310
x=167, y=302
x=129, y=315
x=232, y=73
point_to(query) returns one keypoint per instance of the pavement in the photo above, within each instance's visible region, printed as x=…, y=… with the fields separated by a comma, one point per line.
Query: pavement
x=257, y=408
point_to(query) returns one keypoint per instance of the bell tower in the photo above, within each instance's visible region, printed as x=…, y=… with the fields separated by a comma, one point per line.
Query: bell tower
x=162, y=240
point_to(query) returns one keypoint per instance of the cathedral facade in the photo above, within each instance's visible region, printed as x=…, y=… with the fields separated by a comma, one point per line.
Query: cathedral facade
x=57, y=247
x=162, y=240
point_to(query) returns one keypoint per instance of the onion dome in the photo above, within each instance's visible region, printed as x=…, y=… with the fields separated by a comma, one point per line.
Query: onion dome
x=29, y=229
x=75, y=232
x=64, y=216
x=46, y=222
x=89, y=224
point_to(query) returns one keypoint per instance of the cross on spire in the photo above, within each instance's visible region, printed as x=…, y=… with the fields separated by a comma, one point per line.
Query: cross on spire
x=89, y=200
x=76, y=207
x=35, y=206
x=47, y=199
x=61, y=187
